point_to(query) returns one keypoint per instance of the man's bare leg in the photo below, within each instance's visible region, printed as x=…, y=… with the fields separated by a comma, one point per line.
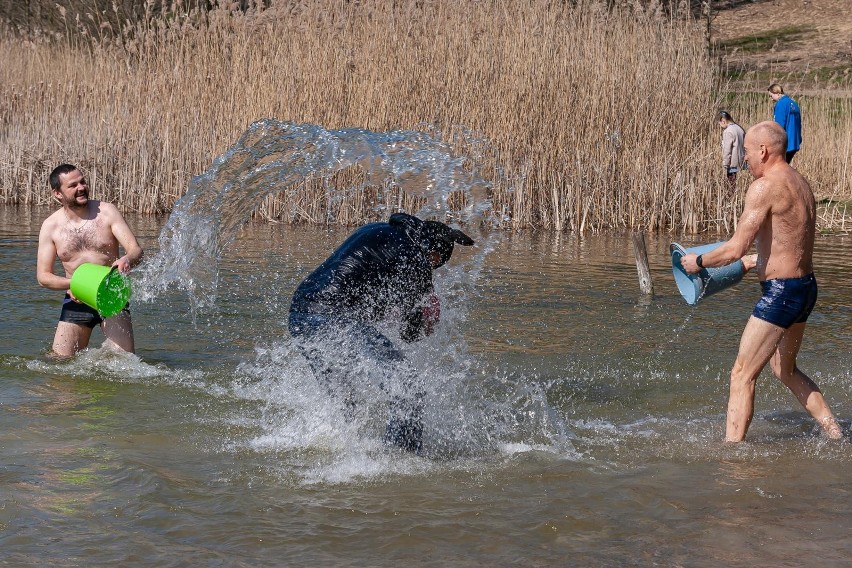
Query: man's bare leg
x=757, y=345
x=119, y=331
x=70, y=338
x=783, y=364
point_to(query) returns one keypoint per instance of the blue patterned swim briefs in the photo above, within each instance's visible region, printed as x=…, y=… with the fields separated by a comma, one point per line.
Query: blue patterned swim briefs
x=787, y=301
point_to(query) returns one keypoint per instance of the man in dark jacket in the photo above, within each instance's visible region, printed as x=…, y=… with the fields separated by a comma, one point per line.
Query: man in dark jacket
x=381, y=273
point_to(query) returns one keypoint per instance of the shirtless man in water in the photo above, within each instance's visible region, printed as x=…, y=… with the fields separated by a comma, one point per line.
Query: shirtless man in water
x=779, y=217
x=83, y=230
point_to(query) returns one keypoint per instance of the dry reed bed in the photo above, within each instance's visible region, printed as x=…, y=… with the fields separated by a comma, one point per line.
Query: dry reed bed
x=826, y=155
x=592, y=118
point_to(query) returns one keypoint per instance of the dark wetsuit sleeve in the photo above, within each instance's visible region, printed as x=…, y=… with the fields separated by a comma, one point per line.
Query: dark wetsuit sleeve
x=413, y=325
x=377, y=272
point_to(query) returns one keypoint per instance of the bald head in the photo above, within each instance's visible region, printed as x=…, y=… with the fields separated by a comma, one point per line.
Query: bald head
x=770, y=134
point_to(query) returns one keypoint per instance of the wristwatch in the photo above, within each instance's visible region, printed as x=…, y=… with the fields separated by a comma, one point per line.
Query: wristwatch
x=698, y=261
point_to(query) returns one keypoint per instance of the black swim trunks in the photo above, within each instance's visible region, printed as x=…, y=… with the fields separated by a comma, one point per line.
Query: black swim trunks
x=787, y=301
x=81, y=314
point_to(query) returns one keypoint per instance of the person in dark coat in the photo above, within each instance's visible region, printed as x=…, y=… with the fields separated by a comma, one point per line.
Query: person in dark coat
x=382, y=273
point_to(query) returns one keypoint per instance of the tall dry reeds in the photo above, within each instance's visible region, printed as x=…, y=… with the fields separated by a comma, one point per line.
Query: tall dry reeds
x=585, y=117
x=826, y=155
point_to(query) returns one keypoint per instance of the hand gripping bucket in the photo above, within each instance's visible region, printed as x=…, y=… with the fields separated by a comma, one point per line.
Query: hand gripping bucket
x=101, y=287
x=706, y=282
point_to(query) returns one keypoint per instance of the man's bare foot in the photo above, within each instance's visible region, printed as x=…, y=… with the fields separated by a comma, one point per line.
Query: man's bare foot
x=831, y=429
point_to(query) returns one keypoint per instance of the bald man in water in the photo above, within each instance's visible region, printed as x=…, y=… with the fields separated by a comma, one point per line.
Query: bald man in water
x=779, y=218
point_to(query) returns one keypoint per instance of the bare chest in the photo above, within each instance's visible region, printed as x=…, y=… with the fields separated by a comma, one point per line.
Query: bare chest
x=90, y=241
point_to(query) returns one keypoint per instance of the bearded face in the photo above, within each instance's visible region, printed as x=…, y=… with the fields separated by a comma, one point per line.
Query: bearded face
x=73, y=191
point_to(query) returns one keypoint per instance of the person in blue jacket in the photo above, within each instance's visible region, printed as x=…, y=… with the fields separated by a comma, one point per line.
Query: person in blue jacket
x=382, y=273
x=789, y=116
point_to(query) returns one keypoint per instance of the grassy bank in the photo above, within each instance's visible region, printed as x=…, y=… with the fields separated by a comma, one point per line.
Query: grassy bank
x=594, y=118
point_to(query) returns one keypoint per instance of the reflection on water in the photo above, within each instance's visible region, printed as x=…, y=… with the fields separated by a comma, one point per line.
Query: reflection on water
x=567, y=419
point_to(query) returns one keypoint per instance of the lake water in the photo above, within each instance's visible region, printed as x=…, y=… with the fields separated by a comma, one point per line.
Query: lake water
x=569, y=422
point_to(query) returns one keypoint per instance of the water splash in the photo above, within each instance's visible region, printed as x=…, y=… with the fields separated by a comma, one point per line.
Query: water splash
x=470, y=417
x=466, y=415
x=274, y=156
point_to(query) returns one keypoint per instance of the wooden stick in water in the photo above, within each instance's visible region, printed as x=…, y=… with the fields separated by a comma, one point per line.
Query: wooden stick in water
x=641, y=254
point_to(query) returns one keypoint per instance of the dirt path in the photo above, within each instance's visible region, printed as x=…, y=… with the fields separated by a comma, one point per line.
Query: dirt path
x=818, y=37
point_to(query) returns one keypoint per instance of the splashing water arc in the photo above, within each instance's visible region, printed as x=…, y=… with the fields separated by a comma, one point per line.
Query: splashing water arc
x=274, y=156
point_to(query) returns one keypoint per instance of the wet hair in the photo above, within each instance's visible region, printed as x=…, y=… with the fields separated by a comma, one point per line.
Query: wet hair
x=726, y=115
x=441, y=238
x=776, y=89
x=62, y=169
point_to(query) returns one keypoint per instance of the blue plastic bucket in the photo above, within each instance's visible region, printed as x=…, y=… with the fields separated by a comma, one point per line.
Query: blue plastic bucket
x=706, y=282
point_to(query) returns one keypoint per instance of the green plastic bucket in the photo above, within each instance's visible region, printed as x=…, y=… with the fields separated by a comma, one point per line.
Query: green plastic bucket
x=103, y=288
